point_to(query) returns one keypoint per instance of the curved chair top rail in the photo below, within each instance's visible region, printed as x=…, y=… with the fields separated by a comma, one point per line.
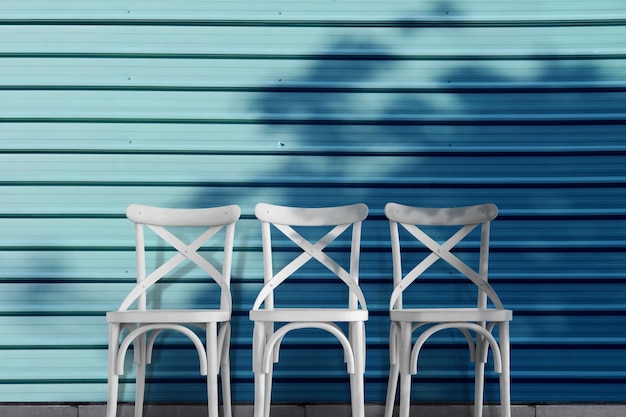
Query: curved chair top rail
x=455, y=216
x=323, y=216
x=213, y=216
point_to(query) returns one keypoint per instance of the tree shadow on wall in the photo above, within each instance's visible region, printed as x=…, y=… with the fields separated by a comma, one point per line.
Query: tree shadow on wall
x=467, y=133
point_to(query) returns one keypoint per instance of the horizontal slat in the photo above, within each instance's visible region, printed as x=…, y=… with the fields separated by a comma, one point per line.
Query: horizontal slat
x=307, y=169
x=63, y=265
x=54, y=330
x=236, y=138
x=283, y=10
x=85, y=200
x=300, y=107
x=107, y=235
x=231, y=74
x=305, y=41
x=571, y=305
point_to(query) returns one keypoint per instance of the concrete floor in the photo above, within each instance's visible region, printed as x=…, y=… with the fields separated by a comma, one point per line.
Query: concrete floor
x=310, y=410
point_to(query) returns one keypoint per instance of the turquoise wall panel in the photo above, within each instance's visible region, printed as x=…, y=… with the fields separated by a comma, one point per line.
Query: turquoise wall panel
x=190, y=104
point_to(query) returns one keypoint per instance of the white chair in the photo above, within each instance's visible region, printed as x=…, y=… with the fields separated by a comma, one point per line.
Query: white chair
x=476, y=323
x=271, y=323
x=142, y=324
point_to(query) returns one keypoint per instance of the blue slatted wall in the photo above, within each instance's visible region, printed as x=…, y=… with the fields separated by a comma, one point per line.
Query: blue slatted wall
x=189, y=104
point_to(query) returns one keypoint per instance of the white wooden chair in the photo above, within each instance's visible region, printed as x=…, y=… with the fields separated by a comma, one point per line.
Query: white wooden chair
x=142, y=324
x=476, y=323
x=271, y=323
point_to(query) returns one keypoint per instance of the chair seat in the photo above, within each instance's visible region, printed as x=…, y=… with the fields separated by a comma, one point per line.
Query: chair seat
x=308, y=315
x=450, y=315
x=168, y=316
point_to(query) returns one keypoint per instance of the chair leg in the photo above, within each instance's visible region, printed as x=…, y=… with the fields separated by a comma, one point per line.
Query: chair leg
x=212, y=369
x=505, y=376
x=258, y=346
x=267, y=396
x=140, y=365
x=404, y=357
x=357, y=394
x=357, y=386
x=405, y=394
x=259, y=394
x=113, y=382
x=394, y=369
x=268, y=377
x=479, y=386
x=226, y=392
x=392, y=386
x=225, y=374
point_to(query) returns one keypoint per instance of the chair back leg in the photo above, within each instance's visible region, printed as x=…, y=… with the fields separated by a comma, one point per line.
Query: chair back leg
x=479, y=386
x=392, y=386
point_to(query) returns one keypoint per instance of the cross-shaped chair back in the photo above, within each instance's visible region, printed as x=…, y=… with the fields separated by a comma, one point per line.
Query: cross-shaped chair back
x=464, y=219
x=286, y=220
x=162, y=221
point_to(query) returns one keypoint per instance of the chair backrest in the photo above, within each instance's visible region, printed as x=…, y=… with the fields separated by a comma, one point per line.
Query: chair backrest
x=164, y=223
x=287, y=220
x=462, y=219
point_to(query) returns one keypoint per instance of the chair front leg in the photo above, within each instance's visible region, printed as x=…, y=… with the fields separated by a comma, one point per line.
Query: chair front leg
x=481, y=351
x=225, y=373
x=269, y=373
x=505, y=376
x=357, y=385
x=140, y=348
x=212, y=368
x=259, y=343
x=404, y=357
x=113, y=381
